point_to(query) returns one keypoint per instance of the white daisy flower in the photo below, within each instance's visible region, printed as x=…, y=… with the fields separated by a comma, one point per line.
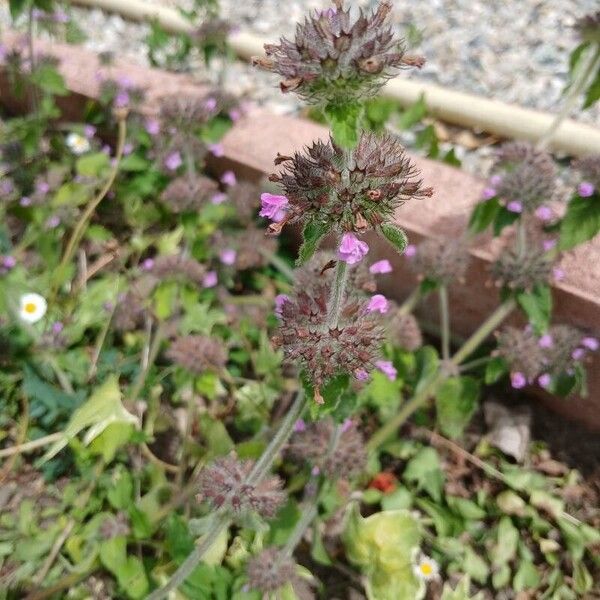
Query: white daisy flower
x=78, y=144
x=32, y=307
x=426, y=568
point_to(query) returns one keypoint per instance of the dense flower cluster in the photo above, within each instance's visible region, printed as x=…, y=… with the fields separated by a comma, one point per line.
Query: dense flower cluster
x=351, y=192
x=521, y=351
x=305, y=337
x=403, y=330
x=333, y=59
x=589, y=167
x=223, y=484
x=272, y=570
x=244, y=249
x=525, y=177
x=185, y=194
x=176, y=265
x=196, y=353
x=311, y=443
x=522, y=272
x=441, y=260
x=589, y=27
x=245, y=198
x=132, y=307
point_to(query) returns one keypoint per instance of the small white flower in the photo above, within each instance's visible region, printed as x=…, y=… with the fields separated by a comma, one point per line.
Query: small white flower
x=78, y=144
x=32, y=307
x=426, y=568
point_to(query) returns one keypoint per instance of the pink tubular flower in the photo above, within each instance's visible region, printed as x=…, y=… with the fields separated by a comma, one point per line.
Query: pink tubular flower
x=347, y=424
x=272, y=206
x=300, y=426
x=25, y=201
x=210, y=279
x=545, y=380
x=578, y=354
x=361, y=374
x=173, y=161
x=57, y=327
x=547, y=245
x=280, y=300
x=127, y=149
x=546, y=341
x=495, y=180
x=52, y=222
x=218, y=198
x=210, y=104
x=352, y=250
x=378, y=303
x=380, y=267
x=9, y=262
x=387, y=368
x=514, y=206
x=518, y=380
x=544, y=213
x=586, y=189
x=558, y=273
x=228, y=178
x=228, y=256
x=121, y=99
x=488, y=192
x=152, y=126
x=148, y=264
x=410, y=251
x=89, y=131
x=590, y=343
x=216, y=149
x=315, y=471
x=235, y=114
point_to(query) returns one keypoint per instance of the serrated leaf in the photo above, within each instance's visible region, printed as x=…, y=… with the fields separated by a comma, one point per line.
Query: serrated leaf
x=312, y=234
x=92, y=165
x=483, y=215
x=49, y=80
x=456, y=401
x=425, y=470
x=494, y=369
x=395, y=236
x=537, y=305
x=526, y=577
x=581, y=222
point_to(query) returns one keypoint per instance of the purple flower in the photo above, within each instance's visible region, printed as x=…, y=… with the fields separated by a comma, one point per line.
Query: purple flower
x=280, y=300
x=495, y=180
x=125, y=82
x=228, y=178
x=210, y=104
x=3, y=53
x=25, y=201
x=361, y=375
x=89, y=131
x=387, y=368
x=216, y=149
x=518, y=380
x=8, y=262
x=273, y=206
x=127, y=149
x=6, y=187
x=586, y=189
x=545, y=380
x=488, y=192
x=218, y=198
x=547, y=245
x=380, y=267
x=558, y=273
x=352, y=250
x=590, y=343
x=578, y=354
x=52, y=222
x=315, y=471
x=546, y=341
x=60, y=16
x=410, y=251
x=300, y=426
x=210, y=279
x=152, y=126
x=347, y=424
x=228, y=256
x=148, y=264
x=235, y=114
x=378, y=303
x=121, y=99
x=57, y=327
x=544, y=213
x=42, y=187
x=173, y=161
x=514, y=206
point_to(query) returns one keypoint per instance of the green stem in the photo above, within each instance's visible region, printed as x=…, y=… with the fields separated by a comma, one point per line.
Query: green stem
x=429, y=389
x=338, y=294
x=221, y=521
x=445, y=321
x=159, y=336
x=586, y=72
x=474, y=363
x=409, y=304
x=278, y=263
x=309, y=512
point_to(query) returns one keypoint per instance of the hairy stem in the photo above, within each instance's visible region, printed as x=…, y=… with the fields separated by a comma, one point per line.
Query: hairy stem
x=407, y=409
x=338, y=294
x=580, y=83
x=445, y=321
x=221, y=521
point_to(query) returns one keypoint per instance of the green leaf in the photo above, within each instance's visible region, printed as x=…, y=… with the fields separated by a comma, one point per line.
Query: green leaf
x=582, y=580
x=465, y=508
x=331, y=393
x=92, y=165
x=461, y=591
x=507, y=539
x=133, y=163
x=111, y=439
x=399, y=499
x=526, y=577
x=120, y=491
x=318, y=551
x=456, y=401
x=395, y=236
x=494, y=369
x=425, y=470
x=451, y=159
x=344, y=120
x=593, y=92
x=475, y=566
x=312, y=234
x=16, y=7
x=413, y=114
x=501, y=577
x=581, y=221
x=49, y=80
x=503, y=218
x=483, y=215
x=537, y=305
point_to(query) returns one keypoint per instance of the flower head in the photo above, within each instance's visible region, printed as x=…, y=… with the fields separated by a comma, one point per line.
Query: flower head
x=32, y=307
x=589, y=27
x=210, y=279
x=178, y=266
x=545, y=380
x=518, y=380
x=426, y=568
x=197, y=353
x=352, y=250
x=522, y=272
x=544, y=213
x=280, y=300
x=185, y=194
x=590, y=343
x=381, y=267
x=349, y=191
x=152, y=126
x=403, y=330
x=515, y=206
x=586, y=189
x=333, y=58
x=441, y=260
x=521, y=350
x=78, y=144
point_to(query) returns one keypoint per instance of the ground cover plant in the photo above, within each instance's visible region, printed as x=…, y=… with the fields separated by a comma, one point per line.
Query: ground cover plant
x=192, y=408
